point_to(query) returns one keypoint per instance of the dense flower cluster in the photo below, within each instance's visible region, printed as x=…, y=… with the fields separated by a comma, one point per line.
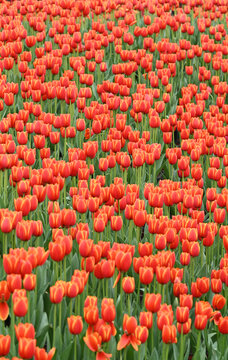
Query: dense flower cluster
x=113, y=178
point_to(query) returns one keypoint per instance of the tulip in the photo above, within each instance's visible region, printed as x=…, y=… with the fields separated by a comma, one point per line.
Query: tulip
x=75, y=324
x=169, y=334
x=29, y=282
x=91, y=314
x=41, y=354
x=218, y=301
x=26, y=330
x=20, y=306
x=223, y=325
x=128, y=284
x=129, y=325
x=153, y=302
x=26, y=347
x=146, y=319
x=108, y=310
x=5, y=342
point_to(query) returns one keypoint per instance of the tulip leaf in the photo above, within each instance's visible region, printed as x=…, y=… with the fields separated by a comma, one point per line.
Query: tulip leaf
x=175, y=352
x=155, y=355
x=66, y=352
x=94, y=90
x=188, y=350
x=39, y=312
x=43, y=326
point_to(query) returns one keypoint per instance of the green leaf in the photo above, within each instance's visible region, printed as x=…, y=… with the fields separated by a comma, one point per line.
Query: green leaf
x=66, y=351
x=175, y=352
x=155, y=355
x=43, y=326
x=187, y=351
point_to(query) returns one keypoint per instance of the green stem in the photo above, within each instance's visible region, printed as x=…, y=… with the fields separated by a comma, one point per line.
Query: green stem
x=121, y=294
x=165, y=351
x=129, y=304
x=75, y=348
x=195, y=357
x=152, y=334
x=182, y=343
x=54, y=325
x=125, y=353
x=64, y=262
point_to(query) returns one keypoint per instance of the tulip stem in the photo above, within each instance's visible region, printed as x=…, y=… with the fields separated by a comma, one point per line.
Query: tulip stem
x=56, y=270
x=71, y=305
x=182, y=344
x=121, y=293
x=75, y=347
x=60, y=314
x=12, y=334
x=5, y=187
x=106, y=288
x=64, y=263
x=165, y=351
x=152, y=334
x=138, y=292
x=125, y=354
x=28, y=295
x=163, y=292
x=197, y=346
x=79, y=310
x=4, y=243
x=54, y=325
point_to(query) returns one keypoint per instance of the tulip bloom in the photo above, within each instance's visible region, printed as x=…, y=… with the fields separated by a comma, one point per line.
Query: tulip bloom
x=169, y=334
x=93, y=341
x=146, y=275
x=128, y=284
x=26, y=348
x=20, y=305
x=108, y=311
x=75, y=324
x=29, y=282
x=223, y=325
x=200, y=322
x=182, y=314
x=184, y=327
x=153, y=302
x=41, y=354
x=218, y=302
x=26, y=330
x=129, y=326
x=5, y=342
x=4, y=296
x=146, y=319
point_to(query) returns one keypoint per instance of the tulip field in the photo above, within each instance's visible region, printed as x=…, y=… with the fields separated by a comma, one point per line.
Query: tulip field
x=113, y=179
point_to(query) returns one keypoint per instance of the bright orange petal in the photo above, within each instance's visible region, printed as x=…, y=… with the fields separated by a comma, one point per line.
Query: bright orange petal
x=117, y=280
x=124, y=341
x=113, y=329
x=134, y=342
x=90, y=342
x=4, y=310
x=51, y=353
x=103, y=356
x=89, y=331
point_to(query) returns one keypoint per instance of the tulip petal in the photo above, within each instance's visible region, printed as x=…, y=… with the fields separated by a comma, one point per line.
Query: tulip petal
x=117, y=280
x=103, y=356
x=113, y=329
x=91, y=342
x=4, y=310
x=134, y=342
x=51, y=353
x=124, y=341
